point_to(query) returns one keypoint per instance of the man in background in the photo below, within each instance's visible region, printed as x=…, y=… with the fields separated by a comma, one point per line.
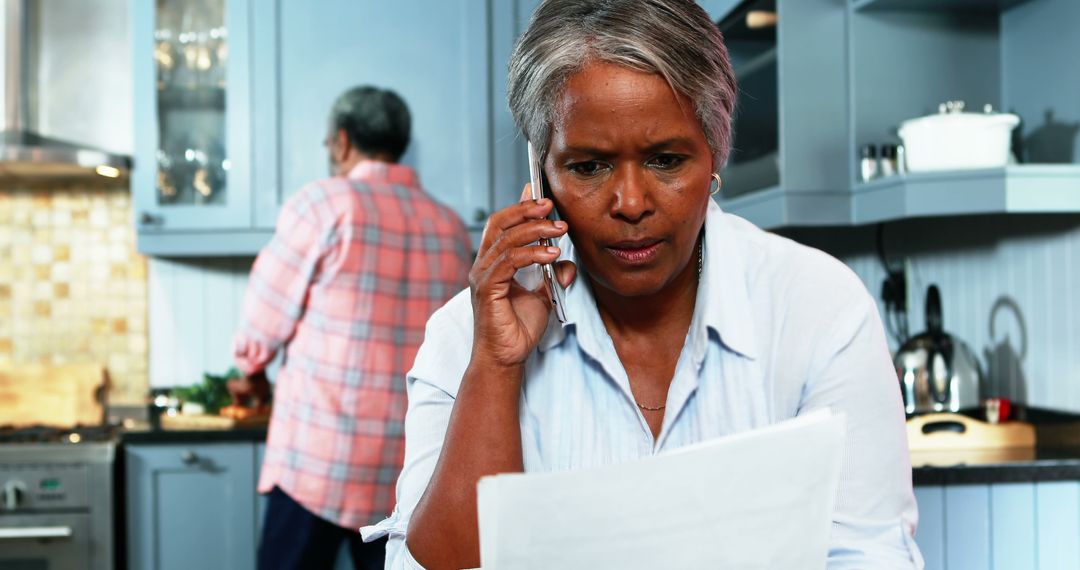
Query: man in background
x=357, y=264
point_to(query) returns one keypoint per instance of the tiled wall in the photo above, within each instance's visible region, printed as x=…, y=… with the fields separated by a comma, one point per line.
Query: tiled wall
x=72, y=287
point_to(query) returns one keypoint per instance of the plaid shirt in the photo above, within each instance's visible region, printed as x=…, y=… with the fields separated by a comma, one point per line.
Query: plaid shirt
x=356, y=266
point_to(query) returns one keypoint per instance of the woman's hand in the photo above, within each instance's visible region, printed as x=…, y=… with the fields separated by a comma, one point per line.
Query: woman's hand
x=508, y=318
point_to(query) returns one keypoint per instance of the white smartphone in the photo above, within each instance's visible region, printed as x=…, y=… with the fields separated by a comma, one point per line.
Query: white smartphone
x=555, y=291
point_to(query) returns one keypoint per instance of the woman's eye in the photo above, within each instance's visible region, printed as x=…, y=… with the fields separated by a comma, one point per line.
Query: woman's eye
x=587, y=168
x=666, y=161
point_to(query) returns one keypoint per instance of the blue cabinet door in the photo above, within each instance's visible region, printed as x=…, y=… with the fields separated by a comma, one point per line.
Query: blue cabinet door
x=434, y=54
x=191, y=73
x=190, y=506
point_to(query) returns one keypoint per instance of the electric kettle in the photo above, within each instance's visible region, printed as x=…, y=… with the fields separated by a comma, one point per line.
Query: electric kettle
x=937, y=371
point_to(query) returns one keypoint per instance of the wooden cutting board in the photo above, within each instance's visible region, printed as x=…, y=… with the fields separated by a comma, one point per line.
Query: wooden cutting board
x=968, y=433
x=60, y=396
x=212, y=421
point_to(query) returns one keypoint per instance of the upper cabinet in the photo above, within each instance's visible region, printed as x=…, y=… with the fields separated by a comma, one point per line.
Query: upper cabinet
x=192, y=180
x=220, y=149
x=832, y=78
x=790, y=160
x=434, y=54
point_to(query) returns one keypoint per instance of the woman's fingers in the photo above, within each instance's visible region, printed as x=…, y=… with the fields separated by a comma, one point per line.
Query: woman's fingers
x=511, y=216
x=498, y=273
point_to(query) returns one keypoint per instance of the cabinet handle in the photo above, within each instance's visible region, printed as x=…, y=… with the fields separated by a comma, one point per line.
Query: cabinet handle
x=35, y=532
x=480, y=215
x=189, y=458
x=148, y=219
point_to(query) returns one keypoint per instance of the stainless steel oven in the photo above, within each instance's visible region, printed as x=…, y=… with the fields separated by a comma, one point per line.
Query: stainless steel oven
x=56, y=506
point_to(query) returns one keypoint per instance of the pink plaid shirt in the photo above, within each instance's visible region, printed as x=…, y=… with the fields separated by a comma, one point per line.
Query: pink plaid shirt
x=355, y=268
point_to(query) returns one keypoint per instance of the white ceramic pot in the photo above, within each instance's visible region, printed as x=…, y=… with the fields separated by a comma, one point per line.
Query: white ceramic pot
x=958, y=141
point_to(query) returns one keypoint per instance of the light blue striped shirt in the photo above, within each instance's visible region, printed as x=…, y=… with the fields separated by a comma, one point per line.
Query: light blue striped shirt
x=779, y=329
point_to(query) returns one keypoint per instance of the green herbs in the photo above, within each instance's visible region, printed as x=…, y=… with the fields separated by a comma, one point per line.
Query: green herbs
x=211, y=394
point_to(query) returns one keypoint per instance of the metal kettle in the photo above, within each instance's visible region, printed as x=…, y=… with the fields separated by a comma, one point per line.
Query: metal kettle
x=938, y=372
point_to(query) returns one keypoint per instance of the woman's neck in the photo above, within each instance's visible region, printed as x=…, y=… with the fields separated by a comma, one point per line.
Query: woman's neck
x=668, y=311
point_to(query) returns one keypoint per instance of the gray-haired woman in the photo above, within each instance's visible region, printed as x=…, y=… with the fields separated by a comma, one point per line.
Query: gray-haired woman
x=683, y=323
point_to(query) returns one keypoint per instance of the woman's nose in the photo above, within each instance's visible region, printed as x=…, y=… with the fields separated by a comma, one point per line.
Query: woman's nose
x=631, y=198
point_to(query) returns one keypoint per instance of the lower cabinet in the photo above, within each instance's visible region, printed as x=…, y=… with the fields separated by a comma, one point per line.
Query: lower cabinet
x=1030, y=525
x=191, y=506
x=196, y=506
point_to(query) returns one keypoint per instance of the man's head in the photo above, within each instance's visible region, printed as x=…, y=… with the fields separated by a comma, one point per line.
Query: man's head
x=367, y=123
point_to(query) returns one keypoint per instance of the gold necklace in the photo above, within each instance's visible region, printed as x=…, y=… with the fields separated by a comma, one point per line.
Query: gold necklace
x=700, y=267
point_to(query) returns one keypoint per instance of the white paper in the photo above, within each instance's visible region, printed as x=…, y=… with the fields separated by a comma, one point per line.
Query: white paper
x=759, y=499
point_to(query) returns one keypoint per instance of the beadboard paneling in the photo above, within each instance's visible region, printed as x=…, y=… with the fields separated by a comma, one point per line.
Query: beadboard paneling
x=1027, y=266
x=194, y=310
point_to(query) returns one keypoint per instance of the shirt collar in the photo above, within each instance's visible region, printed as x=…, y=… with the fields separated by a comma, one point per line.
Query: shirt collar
x=384, y=172
x=723, y=298
x=724, y=293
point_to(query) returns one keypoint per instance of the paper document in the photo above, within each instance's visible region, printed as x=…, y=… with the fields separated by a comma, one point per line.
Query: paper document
x=759, y=499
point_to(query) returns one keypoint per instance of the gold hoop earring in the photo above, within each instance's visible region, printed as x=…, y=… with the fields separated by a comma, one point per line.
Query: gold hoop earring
x=719, y=183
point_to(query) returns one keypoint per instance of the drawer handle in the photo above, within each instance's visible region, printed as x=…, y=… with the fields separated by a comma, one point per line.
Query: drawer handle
x=148, y=219
x=35, y=532
x=189, y=458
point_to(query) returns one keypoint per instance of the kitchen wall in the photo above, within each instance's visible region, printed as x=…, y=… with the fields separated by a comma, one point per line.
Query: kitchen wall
x=1010, y=288
x=1029, y=265
x=72, y=287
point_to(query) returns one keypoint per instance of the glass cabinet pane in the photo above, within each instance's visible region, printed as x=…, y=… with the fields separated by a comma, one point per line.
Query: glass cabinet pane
x=191, y=53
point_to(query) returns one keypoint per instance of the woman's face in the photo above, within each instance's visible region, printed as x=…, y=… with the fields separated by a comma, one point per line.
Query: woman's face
x=629, y=170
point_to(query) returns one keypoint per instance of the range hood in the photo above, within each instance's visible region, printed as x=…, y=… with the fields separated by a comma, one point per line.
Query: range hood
x=23, y=152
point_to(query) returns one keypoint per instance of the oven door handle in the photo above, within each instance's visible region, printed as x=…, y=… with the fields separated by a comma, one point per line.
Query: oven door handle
x=34, y=532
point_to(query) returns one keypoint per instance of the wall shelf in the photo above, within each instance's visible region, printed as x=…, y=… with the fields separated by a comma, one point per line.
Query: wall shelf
x=1028, y=188
x=773, y=208
x=967, y=6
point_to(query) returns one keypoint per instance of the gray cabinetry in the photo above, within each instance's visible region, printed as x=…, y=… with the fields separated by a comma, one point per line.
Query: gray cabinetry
x=192, y=178
x=832, y=77
x=190, y=506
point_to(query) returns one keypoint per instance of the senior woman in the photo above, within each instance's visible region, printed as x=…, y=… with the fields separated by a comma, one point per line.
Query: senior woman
x=683, y=323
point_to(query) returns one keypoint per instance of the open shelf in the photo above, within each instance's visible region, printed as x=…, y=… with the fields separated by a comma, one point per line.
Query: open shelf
x=1026, y=188
x=773, y=208
x=966, y=6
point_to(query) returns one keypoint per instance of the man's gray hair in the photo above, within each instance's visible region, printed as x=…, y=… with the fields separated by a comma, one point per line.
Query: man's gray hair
x=673, y=38
x=377, y=121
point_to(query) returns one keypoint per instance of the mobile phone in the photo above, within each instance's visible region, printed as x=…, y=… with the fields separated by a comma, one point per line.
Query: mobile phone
x=555, y=291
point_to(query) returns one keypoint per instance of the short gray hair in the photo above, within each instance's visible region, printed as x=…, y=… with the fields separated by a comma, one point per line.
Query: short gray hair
x=673, y=38
x=376, y=120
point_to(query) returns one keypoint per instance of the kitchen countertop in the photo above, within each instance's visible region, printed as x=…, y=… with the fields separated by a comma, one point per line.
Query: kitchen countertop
x=1024, y=465
x=1056, y=457
x=145, y=435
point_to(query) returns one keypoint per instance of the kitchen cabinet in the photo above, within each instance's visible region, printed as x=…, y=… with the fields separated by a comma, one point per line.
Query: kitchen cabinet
x=192, y=181
x=191, y=506
x=834, y=77
x=1000, y=525
x=287, y=61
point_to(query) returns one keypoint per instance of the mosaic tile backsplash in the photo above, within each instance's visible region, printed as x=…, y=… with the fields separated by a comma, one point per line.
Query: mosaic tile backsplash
x=72, y=286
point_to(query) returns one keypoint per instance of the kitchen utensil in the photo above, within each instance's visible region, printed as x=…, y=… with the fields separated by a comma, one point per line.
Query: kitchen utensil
x=60, y=396
x=955, y=140
x=937, y=371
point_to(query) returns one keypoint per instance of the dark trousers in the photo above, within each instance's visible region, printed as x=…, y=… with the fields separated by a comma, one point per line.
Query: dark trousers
x=294, y=538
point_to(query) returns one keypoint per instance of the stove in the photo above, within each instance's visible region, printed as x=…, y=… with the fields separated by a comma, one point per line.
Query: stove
x=57, y=497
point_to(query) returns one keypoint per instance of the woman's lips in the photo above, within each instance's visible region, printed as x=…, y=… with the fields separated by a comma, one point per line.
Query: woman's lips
x=636, y=253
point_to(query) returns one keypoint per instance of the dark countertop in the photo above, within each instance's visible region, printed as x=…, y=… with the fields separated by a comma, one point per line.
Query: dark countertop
x=1014, y=466
x=146, y=435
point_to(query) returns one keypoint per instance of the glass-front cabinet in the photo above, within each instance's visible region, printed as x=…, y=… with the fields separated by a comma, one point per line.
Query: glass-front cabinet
x=193, y=132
